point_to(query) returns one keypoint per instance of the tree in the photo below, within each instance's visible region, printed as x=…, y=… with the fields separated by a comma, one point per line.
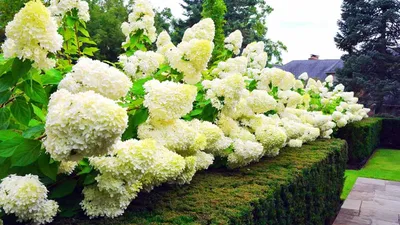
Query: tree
x=216, y=10
x=192, y=11
x=163, y=20
x=248, y=16
x=106, y=17
x=369, y=32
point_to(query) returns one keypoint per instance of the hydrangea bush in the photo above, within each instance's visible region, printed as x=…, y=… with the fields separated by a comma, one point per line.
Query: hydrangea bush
x=74, y=129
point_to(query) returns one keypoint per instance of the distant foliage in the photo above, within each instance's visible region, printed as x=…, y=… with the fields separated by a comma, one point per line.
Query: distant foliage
x=368, y=33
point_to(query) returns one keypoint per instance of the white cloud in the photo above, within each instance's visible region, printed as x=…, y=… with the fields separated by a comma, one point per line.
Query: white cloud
x=305, y=27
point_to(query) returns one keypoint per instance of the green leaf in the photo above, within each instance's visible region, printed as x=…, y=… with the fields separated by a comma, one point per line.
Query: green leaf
x=47, y=168
x=8, y=147
x=21, y=111
x=52, y=76
x=33, y=131
x=39, y=113
x=134, y=121
x=70, y=21
x=4, y=118
x=5, y=96
x=35, y=91
x=20, y=68
x=86, y=170
x=7, y=81
x=90, y=50
x=6, y=66
x=84, y=31
x=196, y=112
x=8, y=134
x=137, y=88
x=26, y=153
x=4, y=167
x=90, y=179
x=63, y=189
x=86, y=40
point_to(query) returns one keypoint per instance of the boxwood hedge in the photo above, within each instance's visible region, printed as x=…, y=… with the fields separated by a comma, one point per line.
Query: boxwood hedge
x=390, y=135
x=300, y=186
x=363, y=137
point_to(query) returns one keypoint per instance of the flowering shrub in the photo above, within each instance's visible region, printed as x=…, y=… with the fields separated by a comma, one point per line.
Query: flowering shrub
x=156, y=117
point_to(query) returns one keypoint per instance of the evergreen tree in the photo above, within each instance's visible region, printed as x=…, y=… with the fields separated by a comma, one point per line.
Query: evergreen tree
x=192, y=11
x=368, y=33
x=106, y=17
x=216, y=9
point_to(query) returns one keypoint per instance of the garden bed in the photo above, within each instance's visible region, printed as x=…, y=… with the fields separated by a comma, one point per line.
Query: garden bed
x=300, y=186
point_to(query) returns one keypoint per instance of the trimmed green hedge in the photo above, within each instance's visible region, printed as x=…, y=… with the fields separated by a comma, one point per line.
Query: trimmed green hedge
x=363, y=137
x=300, y=186
x=390, y=136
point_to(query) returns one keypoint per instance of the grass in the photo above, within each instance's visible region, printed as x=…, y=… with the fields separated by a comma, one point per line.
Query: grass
x=384, y=164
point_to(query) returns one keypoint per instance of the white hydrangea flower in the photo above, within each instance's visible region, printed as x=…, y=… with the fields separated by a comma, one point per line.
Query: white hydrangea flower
x=272, y=139
x=67, y=167
x=93, y=75
x=230, y=89
x=303, y=76
x=177, y=136
x=257, y=58
x=97, y=203
x=141, y=64
x=245, y=152
x=190, y=58
x=203, y=30
x=59, y=8
x=32, y=35
x=232, y=129
x=291, y=98
x=234, y=42
x=26, y=197
x=329, y=80
x=295, y=143
x=276, y=77
x=168, y=100
x=203, y=160
x=261, y=102
x=141, y=18
x=216, y=140
x=230, y=67
x=190, y=169
x=339, y=88
x=164, y=43
x=82, y=124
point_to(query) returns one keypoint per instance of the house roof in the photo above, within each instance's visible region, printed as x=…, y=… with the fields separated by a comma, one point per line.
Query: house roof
x=319, y=69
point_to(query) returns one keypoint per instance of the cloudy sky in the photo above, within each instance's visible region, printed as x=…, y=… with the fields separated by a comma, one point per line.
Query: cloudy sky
x=306, y=27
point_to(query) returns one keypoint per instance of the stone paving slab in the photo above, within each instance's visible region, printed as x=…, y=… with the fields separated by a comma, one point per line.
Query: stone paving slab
x=371, y=202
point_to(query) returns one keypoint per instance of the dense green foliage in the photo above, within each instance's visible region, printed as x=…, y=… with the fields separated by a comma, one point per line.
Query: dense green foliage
x=248, y=16
x=300, y=186
x=368, y=33
x=363, y=138
x=216, y=10
x=384, y=164
x=106, y=17
x=390, y=133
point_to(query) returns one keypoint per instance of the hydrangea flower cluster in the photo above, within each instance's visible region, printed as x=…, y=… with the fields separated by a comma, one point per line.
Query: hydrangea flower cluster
x=59, y=8
x=32, y=35
x=192, y=55
x=234, y=42
x=256, y=56
x=82, y=124
x=141, y=64
x=140, y=19
x=133, y=165
x=26, y=198
x=93, y=75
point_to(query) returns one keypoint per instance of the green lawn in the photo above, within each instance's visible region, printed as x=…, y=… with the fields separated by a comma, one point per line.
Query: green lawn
x=384, y=164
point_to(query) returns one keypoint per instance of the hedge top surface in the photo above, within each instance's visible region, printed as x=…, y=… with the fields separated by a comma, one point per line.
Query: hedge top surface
x=218, y=196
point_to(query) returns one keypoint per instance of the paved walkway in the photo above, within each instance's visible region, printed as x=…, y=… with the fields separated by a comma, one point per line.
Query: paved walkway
x=371, y=202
